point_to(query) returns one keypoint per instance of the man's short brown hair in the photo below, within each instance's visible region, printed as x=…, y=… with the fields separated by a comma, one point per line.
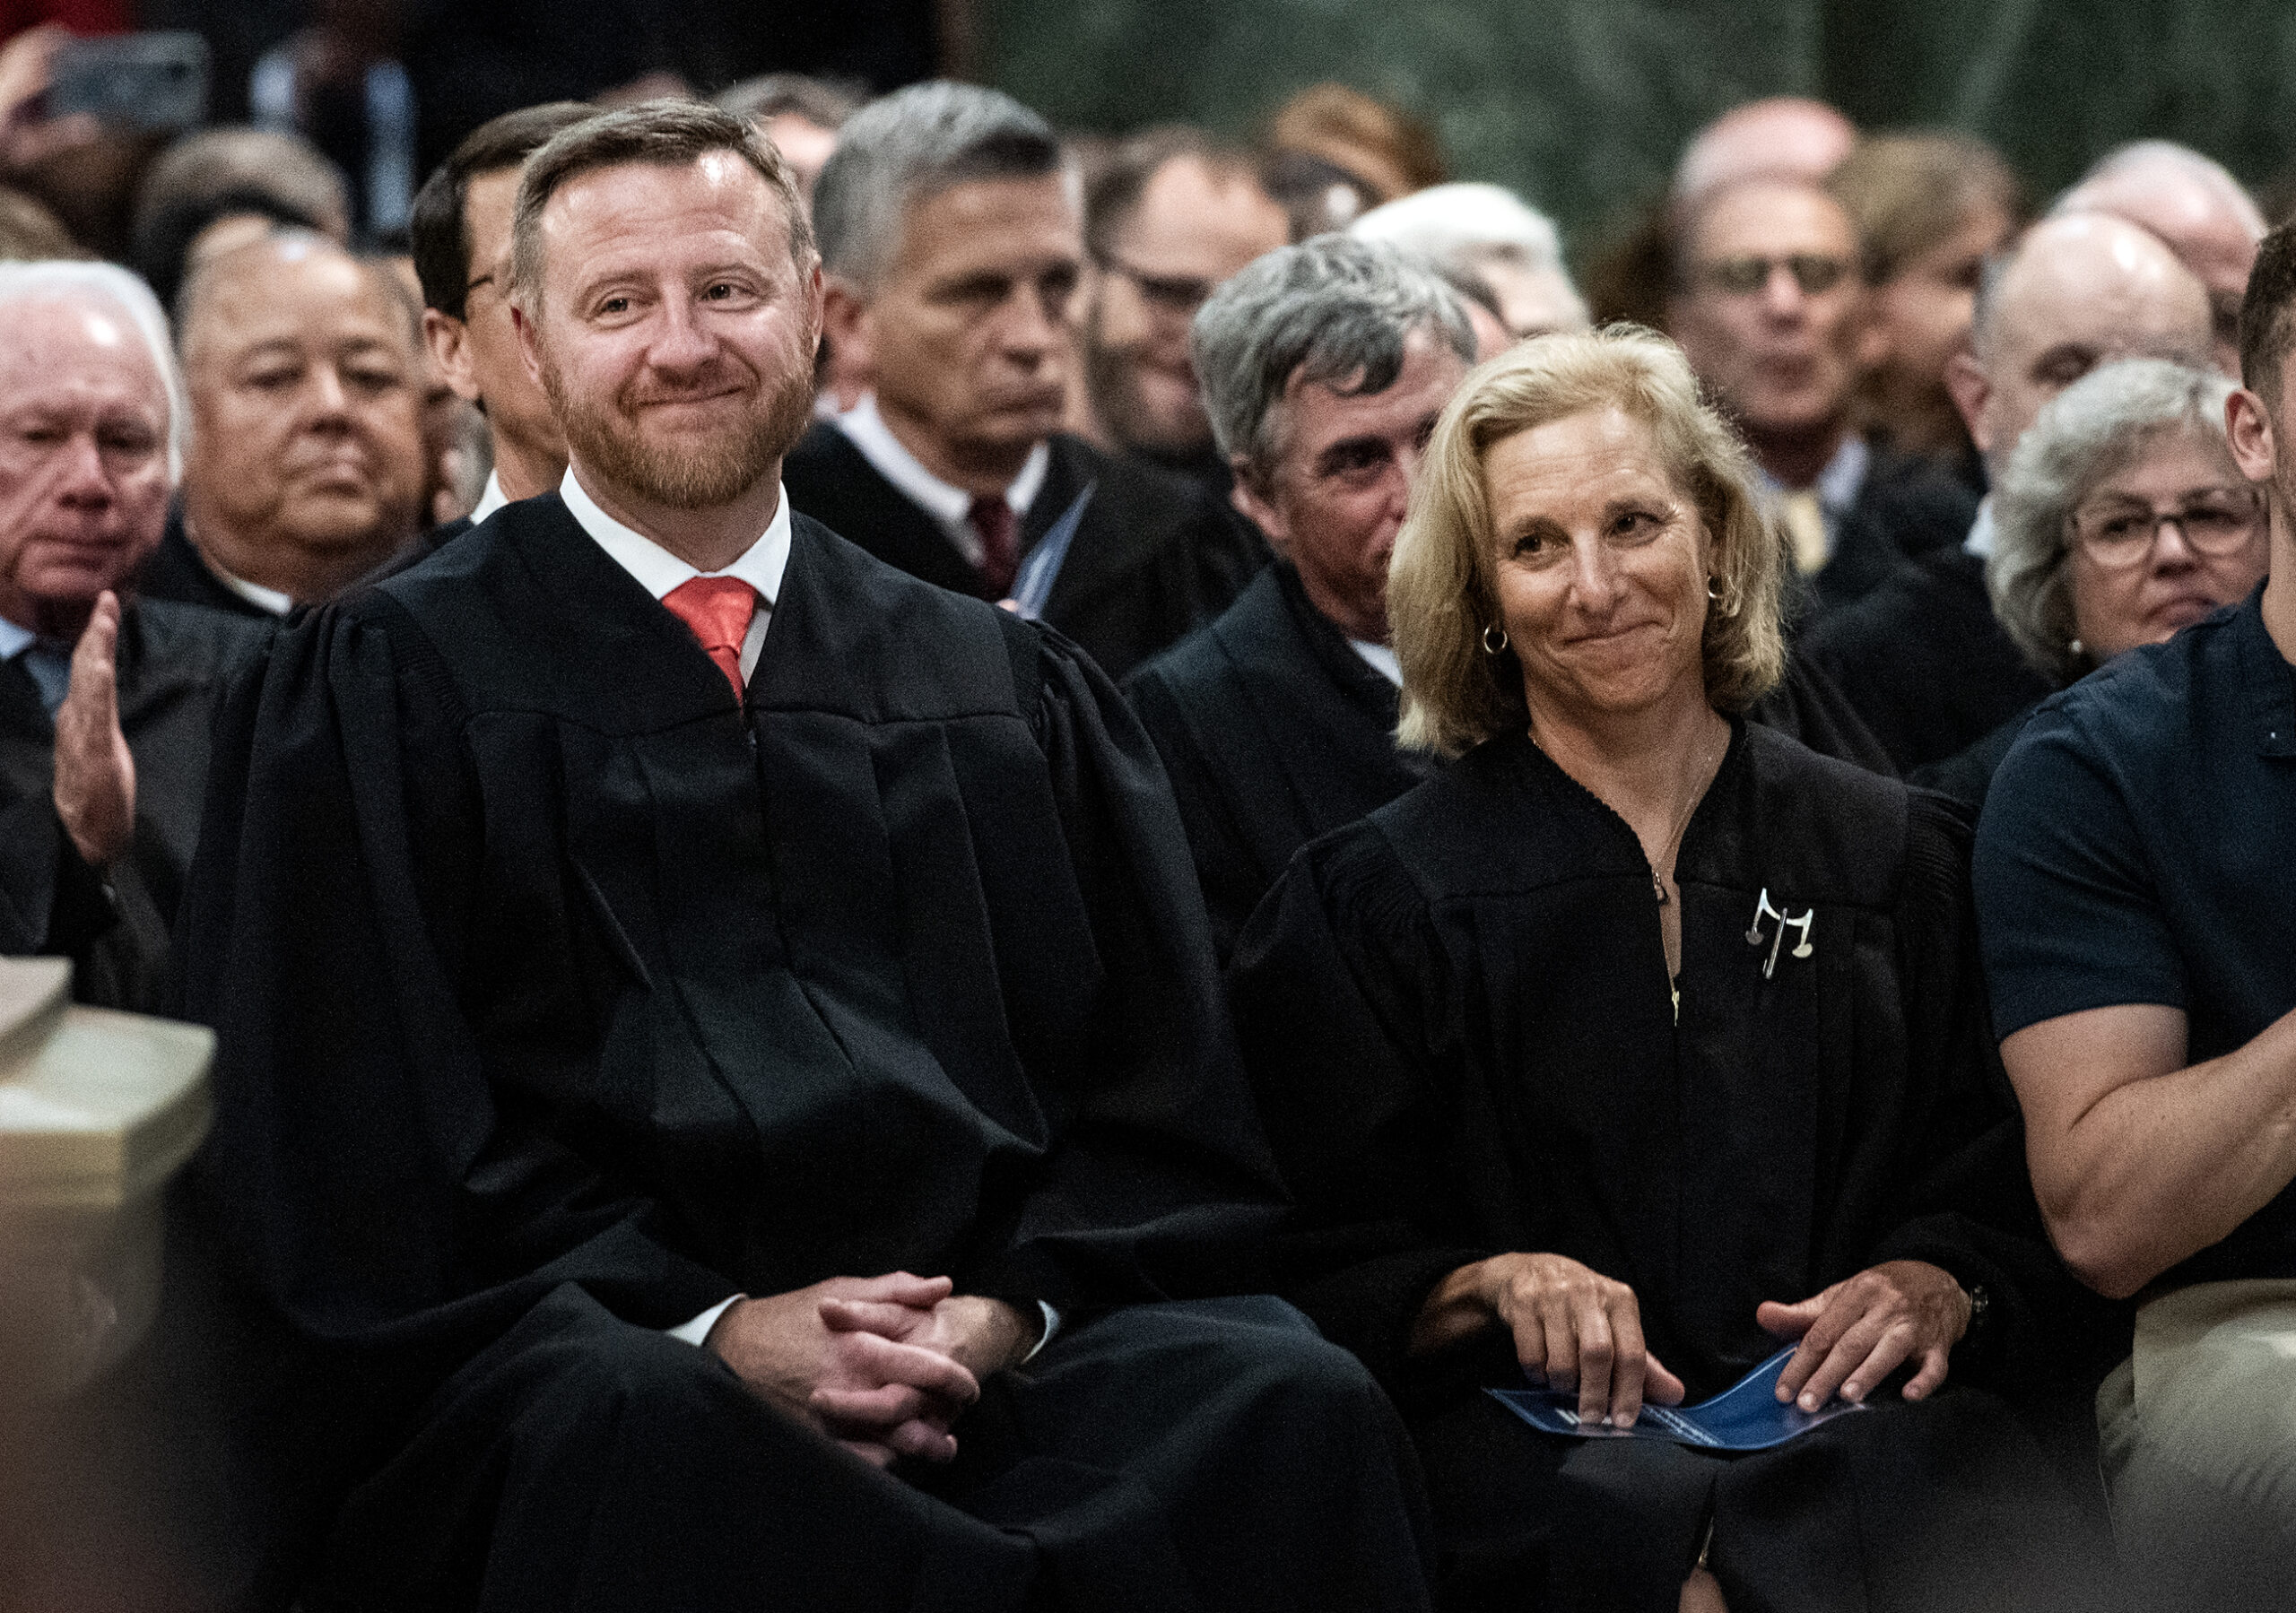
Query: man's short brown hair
x=2268, y=315
x=439, y=228
x=666, y=134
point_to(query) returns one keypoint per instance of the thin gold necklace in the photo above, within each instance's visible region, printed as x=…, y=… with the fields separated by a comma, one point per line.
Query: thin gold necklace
x=1657, y=880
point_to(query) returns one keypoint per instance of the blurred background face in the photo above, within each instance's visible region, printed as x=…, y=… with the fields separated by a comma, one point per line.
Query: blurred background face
x=966, y=338
x=1772, y=311
x=1336, y=494
x=1922, y=315
x=805, y=145
x=1601, y=566
x=2136, y=577
x=672, y=332
x=84, y=458
x=307, y=436
x=1194, y=227
x=2083, y=292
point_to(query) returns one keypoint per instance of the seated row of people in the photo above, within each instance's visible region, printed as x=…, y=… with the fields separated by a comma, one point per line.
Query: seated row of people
x=617, y=1019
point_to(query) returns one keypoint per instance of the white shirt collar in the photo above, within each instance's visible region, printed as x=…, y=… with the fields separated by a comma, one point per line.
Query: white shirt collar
x=491, y=501
x=1979, y=543
x=14, y=640
x=1837, y=486
x=657, y=570
x=948, y=505
x=1381, y=657
x=270, y=601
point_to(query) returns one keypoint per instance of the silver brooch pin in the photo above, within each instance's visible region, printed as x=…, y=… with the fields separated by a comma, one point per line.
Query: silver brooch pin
x=1805, y=924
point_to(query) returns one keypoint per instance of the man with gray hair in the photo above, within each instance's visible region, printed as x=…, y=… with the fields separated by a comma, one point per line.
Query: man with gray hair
x=1921, y=658
x=105, y=699
x=1325, y=366
x=952, y=249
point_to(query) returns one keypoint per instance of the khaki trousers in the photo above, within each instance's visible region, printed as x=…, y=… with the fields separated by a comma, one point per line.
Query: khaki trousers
x=2196, y=1433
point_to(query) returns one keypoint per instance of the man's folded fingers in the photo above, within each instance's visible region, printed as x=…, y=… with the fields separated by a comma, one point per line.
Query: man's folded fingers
x=883, y=1361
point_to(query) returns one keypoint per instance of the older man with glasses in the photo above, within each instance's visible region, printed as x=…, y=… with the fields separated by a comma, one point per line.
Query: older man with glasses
x=1767, y=300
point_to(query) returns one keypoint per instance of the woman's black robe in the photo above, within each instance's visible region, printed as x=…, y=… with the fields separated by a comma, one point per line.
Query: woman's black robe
x=1458, y=1020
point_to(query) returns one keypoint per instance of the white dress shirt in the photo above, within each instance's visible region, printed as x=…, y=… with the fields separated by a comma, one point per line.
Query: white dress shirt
x=658, y=571
x=1382, y=658
x=948, y=505
x=491, y=501
x=1837, y=486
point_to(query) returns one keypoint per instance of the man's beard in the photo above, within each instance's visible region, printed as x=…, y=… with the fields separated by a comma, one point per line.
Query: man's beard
x=717, y=470
x=1113, y=380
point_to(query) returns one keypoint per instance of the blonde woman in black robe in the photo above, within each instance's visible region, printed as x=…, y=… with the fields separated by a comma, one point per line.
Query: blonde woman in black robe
x=1641, y=1042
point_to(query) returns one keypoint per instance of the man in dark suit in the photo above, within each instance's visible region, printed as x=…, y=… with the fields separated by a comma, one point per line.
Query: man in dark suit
x=305, y=465
x=105, y=701
x=953, y=247
x=460, y=234
x=1325, y=366
x=1766, y=299
x=770, y=996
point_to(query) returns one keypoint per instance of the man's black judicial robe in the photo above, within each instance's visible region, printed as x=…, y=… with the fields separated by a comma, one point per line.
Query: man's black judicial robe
x=1152, y=558
x=1923, y=661
x=560, y=998
x=1906, y=507
x=1272, y=731
x=174, y=662
x=175, y=571
x=1457, y=1018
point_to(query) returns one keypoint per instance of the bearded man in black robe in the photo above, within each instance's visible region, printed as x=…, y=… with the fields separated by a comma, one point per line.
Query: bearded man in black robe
x=723, y=1080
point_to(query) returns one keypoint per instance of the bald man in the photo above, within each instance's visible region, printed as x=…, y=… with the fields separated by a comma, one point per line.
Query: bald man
x=306, y=466
x=1921, y=657
x=2195, y=205
x=1782, y=135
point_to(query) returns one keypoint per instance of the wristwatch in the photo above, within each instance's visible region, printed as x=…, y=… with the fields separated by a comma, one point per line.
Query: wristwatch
x=1981, y=1314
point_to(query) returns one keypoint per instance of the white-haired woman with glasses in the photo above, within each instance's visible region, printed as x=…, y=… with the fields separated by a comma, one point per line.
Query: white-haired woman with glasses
x=2120, y=518
x=1640, y=1041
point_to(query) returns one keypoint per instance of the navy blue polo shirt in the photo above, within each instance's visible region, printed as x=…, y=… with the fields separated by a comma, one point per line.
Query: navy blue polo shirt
x=2139, y=846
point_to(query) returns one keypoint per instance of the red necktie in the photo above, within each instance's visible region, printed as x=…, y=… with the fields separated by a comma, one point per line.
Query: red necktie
x=1000, y=557
x=716, y=610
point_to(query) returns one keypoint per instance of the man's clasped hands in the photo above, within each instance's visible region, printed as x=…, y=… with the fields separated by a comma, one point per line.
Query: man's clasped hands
x=883, y=1365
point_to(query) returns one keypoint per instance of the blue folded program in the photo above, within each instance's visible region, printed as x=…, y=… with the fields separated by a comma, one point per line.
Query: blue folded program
x=1748, y=1416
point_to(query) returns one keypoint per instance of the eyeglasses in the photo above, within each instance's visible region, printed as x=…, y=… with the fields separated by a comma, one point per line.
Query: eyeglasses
x=1176, y=295
x=2118, y=533
x=1813, y=272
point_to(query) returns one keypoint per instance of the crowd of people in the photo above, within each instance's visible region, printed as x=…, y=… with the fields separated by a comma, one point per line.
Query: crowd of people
x=946, y=867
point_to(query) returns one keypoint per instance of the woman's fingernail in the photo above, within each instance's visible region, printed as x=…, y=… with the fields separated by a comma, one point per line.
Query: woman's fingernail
x=1619, y=1420
x=1809, y=1402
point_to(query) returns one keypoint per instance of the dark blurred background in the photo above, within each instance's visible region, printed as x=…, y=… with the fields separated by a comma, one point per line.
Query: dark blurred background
x=1582, y=105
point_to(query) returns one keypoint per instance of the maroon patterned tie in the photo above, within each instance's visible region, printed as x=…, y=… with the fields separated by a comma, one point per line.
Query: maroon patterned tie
x=1000, y=555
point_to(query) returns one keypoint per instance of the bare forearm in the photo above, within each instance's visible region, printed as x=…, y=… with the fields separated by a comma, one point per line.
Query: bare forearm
x=2160, y=1168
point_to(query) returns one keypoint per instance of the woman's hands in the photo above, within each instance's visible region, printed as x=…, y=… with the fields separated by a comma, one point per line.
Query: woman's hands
x=1572, y=1327
x=1860, y=1330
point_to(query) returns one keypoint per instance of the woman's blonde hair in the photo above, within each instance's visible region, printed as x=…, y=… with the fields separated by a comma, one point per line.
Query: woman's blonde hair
x=1442, y=592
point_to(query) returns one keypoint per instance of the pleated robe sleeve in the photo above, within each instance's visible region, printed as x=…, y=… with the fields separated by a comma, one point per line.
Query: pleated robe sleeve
x=368, y=1182
x=1343, y=1002
x=1159, y=1182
